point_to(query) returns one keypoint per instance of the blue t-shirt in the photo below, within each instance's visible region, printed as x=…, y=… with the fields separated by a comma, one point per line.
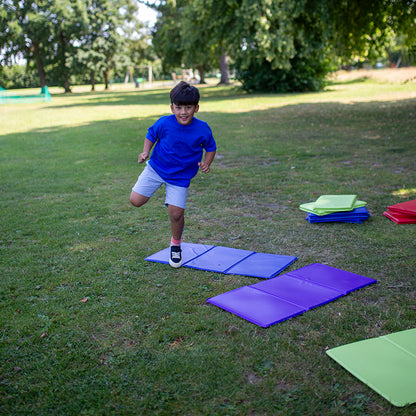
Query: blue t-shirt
x=178, y=148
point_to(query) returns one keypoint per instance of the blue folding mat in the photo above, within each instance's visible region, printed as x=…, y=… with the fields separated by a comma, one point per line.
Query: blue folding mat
x=227, y=260
x=387, y=364
x=357, y=215
x=275, y=300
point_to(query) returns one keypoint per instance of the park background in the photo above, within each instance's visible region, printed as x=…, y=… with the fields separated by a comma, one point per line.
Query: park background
x=268, y=46
x=88, y=327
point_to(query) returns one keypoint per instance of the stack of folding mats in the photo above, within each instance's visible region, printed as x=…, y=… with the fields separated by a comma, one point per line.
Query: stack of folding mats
x=402, y=213
x=336, y=208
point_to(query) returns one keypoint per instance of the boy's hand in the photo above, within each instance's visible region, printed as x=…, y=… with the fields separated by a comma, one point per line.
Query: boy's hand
x=204, y=167
x=206, y=163
x=142, y=157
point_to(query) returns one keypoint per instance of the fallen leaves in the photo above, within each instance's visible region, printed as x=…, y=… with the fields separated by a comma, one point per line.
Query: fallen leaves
x=176, y=343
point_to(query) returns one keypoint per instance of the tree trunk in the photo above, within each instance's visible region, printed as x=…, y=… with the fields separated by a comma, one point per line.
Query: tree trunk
x=67, y=85
x=39, y=64
x=92, y=80
x=106, y=78
x=65, y=70
x=201, y=71
x=224, y=69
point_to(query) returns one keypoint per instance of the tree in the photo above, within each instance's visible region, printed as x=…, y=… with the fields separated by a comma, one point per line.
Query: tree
x=101, y=44
x=287, y=45
x=41, y=32
x=364, y=27
x=25, y=30
x=198, y=51
x=208, y=25
x=220, y=20
x=193, y=33
x=291, y=45
x=69, y=20
x=53, y=33
x=167, y=34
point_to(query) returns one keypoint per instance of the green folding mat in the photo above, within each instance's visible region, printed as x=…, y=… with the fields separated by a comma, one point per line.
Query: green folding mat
x=328, y=204
x=387, y=364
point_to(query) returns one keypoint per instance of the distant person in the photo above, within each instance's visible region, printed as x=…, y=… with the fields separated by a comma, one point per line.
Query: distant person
x=180, y=140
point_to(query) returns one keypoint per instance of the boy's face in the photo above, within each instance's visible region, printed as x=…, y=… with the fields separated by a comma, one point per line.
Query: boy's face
x=184, y=113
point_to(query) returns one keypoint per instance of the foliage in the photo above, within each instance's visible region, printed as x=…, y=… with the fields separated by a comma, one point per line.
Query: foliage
x=193, y=33
x=17, y=76
x=88, y=327
x=284, y=48
x=69, y=21
x=167, y=35
x=196, y=39
x=281, y=45
x=66, y=37
x=302, y=76
x=285, y=45
x=100, y=40
x=26, y=28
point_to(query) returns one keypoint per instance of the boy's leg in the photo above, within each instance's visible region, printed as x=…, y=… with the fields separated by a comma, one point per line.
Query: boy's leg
x=138, y=200
x=147, y=184
x=177, y=221
x=176, y=202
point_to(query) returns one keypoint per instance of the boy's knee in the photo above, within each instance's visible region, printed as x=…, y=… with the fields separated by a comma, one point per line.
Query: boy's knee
x=137, y=200
x=176, y=213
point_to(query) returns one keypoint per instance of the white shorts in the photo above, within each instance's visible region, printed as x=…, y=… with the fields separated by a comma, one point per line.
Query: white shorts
x=149, y=182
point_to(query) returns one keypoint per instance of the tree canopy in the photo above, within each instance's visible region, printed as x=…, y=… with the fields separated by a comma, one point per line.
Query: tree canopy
x=67, y=37
x=272, y=45
x=281, y=45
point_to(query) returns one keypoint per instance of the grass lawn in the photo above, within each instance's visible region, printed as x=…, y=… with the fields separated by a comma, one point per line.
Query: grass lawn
x=90, y=328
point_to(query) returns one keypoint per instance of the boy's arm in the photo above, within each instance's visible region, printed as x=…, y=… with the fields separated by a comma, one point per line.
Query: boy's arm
x=147, y=147
x=205, y=164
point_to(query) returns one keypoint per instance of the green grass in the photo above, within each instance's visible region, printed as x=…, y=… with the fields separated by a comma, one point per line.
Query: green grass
x=144, y=341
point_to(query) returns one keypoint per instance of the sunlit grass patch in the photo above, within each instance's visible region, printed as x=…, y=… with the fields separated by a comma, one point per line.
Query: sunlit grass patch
x=405, y=193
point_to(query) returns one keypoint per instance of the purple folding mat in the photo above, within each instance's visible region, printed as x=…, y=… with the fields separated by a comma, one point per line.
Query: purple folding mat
x=256, y=306
x=269, y=302
x=228, y=260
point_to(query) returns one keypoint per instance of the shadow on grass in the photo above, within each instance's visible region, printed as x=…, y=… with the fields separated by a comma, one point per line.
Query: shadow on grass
x=157, y=97
x=356, y=138
x=348, y=82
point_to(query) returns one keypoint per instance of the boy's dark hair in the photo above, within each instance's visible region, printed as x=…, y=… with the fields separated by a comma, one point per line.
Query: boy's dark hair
x=184, y=94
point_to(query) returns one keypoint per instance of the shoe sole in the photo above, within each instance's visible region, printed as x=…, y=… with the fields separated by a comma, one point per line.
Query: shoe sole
x=175, y=265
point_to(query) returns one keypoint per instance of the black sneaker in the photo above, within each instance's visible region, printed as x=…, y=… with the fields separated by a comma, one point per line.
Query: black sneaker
x=175, y=259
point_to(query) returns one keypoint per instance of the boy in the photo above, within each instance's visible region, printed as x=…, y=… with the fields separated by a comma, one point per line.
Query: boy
x=179, y=140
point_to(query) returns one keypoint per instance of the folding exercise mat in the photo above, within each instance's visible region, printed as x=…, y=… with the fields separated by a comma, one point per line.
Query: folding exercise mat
x=400, y=218
x=328, y=204
x=387, y=364
x=227, y=260
x=269, y=302
x=357, y=215
x=408, y=207
x=402, y=213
